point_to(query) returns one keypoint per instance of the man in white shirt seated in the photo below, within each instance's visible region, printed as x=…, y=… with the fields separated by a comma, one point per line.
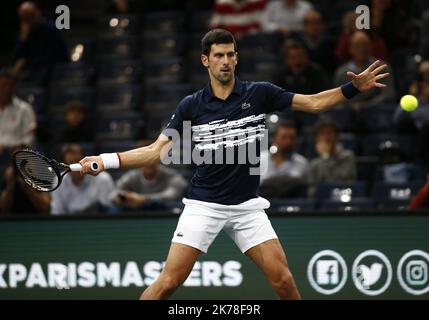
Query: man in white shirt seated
x=78, y=193
x=17, y=118
x=286, y=170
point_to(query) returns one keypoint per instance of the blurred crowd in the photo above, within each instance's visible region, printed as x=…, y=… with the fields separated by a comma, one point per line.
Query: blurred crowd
x=112, y=85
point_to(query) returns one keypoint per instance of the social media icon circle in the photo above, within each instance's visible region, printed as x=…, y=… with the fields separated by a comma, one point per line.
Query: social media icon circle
x=372, y=272
x=327, y=272
x=412, y=272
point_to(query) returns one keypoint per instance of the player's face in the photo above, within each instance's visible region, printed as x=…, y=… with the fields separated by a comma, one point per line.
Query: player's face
x=221, y=62
x=285, y=139
x=6, y=90
x=297, y=59
x=328, y=136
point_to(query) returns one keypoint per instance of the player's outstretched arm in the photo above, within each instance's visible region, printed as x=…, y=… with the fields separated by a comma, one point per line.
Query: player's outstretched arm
x=325, y=100
x=139, y=157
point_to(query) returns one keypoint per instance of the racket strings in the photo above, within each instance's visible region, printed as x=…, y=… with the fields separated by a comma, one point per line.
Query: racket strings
x=36, y=171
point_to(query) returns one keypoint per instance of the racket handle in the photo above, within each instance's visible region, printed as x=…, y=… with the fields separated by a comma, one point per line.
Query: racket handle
x=78, y=167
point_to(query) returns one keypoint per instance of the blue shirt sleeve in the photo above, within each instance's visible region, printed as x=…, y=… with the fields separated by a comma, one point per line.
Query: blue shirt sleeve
x=181, y=114
x=278, y=99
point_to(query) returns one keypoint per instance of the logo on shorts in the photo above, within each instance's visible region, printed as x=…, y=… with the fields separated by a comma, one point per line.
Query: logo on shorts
x=179, y=234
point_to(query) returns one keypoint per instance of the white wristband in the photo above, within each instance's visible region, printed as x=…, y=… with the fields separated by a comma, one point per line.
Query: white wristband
x=110, y=160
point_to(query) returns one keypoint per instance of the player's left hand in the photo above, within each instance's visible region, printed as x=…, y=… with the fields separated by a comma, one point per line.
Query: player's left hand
x=369, y=78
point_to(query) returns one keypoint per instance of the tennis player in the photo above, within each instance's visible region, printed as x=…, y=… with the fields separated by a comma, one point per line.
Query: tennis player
x=225, y=196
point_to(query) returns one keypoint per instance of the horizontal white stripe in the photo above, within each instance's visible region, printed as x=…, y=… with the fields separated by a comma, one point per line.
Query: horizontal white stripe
x=229, y=143
x=220, y=124
x=230, y=133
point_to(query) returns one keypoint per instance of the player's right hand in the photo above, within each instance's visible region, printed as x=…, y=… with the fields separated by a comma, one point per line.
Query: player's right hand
x=87, y=168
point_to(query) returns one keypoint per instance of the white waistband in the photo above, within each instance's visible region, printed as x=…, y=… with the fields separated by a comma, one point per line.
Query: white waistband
x=255, y=203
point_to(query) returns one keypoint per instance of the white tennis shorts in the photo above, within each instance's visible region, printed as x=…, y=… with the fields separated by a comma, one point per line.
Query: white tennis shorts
x=246, y=223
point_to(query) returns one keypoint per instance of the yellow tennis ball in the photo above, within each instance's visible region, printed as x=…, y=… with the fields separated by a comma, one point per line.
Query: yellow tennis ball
x=409, y=103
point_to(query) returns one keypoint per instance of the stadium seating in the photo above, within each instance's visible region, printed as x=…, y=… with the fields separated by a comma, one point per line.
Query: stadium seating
x=60, y=97
x=292, y=205
x=119, y=126
x=120, y=72
x=354, y=204
x=168, y=70
x=163, y=22
x=391, y=195
x=170, y=94
x=377, y=118
x=72, y=74
x=340, y=191
x=163, y=45
x=113, y=98
x=119, y=24
x=123, y=47
x=36, y=96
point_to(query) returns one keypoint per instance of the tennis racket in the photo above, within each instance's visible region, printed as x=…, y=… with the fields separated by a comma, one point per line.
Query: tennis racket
x=42, y=173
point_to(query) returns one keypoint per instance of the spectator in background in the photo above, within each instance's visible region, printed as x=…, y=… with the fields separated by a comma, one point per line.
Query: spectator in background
x=342, y=51
x=78, y=128
x=238, y=16
x=395, y=22
x=81, y=193
x=40, y=45
x=320, y=45
x=333, y=162
x=411, y=122
x=299, y=74
x=149, y=187
x=118, y=7
x=394, y=168
x=17, y=198
x=417, y=122
x=421, y=199
x=361, y=53
x=286, y=170
x=285, y=16
x=17, y=118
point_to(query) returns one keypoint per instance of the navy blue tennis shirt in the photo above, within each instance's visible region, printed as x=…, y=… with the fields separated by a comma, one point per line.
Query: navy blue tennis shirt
x=230, y=123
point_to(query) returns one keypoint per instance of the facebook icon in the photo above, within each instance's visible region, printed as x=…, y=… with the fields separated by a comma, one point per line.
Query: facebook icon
x=327, y=272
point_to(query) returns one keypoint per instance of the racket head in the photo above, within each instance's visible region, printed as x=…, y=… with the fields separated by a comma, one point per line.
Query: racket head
x=38, y=171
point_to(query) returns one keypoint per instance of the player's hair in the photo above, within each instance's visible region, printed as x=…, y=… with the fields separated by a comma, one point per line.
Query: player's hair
x=326, y=122
x=284, y=124
x=76, y=105
x=8, y=73
x=293, y=44
x=70, y=148
x=216, y=36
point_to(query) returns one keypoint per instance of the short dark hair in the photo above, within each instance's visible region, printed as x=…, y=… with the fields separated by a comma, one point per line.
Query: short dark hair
x=216, y=36
x=294, y=44
x=76, y=106
x=8, y=73
x=284, y=124
x=326, y=122
x=70, y=148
